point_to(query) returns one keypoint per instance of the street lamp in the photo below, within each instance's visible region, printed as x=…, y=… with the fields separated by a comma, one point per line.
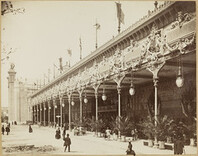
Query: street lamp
x=132, y=89
x=180, y=79
x=63, y=105
x=55, y=106
x=49, y=107
x=85, y=99
x=58, y=116
x=72, y=103
x=104, y=97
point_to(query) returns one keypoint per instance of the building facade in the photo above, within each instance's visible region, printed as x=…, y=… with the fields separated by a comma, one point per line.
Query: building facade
x=18, y=98
x=154, y=59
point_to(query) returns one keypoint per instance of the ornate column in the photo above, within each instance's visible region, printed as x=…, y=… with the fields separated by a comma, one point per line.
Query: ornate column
x=44, y=109
x=54, y=104
x=118, y=79
x=37, y=114
x=96, y=86
x=40, y=113
x=80, y=91
x=33, y=113
x=61, y=110
x=49, y=109
x=154, y=68
x=119, y=101
x=69, y=101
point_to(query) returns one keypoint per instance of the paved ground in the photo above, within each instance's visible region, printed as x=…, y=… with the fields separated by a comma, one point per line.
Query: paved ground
x=84, y=145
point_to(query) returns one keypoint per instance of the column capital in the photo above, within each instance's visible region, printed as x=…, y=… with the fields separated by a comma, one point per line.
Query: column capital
x=96, y=94
x=61, y=96
x=69, y=94
x=119, y=89
x=96, y=86
x=154, y=69
x=54, y=101
x=118, y=78
x=155, y=81
x=80, y=91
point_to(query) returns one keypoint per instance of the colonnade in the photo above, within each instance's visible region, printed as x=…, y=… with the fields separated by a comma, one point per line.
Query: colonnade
x=40, y=112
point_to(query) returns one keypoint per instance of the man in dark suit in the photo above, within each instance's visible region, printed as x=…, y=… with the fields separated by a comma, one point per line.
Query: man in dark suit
x=67, y=143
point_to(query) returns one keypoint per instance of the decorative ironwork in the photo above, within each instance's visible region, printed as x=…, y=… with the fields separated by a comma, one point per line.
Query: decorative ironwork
x=181, y=19
x=182, y=44
x=117, y=62
x=152, y=54
x=154, y=49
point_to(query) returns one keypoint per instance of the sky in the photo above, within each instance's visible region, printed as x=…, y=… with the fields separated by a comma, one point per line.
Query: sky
x=47, y=29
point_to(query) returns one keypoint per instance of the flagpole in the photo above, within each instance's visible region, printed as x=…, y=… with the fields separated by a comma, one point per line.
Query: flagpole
x=37, y=84
x=48, y=75
x=96, y=35
x=80, y=49
x=44, y=79
x=119, y=22
x=118, y=26
x=54, y=72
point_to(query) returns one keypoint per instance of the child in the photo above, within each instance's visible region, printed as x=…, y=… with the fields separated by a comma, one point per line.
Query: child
x=67, y=142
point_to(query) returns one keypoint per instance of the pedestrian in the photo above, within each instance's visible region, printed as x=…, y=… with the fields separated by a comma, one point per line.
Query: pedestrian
x=58, y=133
x=179, y=146
x=7, y=129
x=133, y=134
x=108, y=133
x=2, y=129
x=129, y=150
x=67, y=143
x=64, y=132
x=30, y=129
x=136, y=134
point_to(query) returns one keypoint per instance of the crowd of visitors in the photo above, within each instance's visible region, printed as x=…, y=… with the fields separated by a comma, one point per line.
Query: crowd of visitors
x=178, y=141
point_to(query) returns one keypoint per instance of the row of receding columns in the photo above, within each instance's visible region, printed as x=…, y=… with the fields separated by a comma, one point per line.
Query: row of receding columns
x=118, y=79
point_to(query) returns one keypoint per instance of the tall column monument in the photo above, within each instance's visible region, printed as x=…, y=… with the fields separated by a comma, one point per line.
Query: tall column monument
x=11, y=99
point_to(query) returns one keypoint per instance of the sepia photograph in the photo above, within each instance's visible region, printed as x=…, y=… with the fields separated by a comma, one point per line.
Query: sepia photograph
x=98, y=78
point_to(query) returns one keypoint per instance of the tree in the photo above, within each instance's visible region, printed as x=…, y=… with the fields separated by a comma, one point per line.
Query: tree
x=7, y=7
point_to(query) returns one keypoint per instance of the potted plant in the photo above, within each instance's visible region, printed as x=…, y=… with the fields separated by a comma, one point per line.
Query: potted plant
x=192, y=132
x=100, y=127
x=177, y=129
x=122, y=125
x=147, y=126
x=163, y=123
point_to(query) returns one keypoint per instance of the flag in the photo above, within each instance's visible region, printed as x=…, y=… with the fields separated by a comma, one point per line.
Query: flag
x=69, y=52
x=120, y=13
x=97, y=26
